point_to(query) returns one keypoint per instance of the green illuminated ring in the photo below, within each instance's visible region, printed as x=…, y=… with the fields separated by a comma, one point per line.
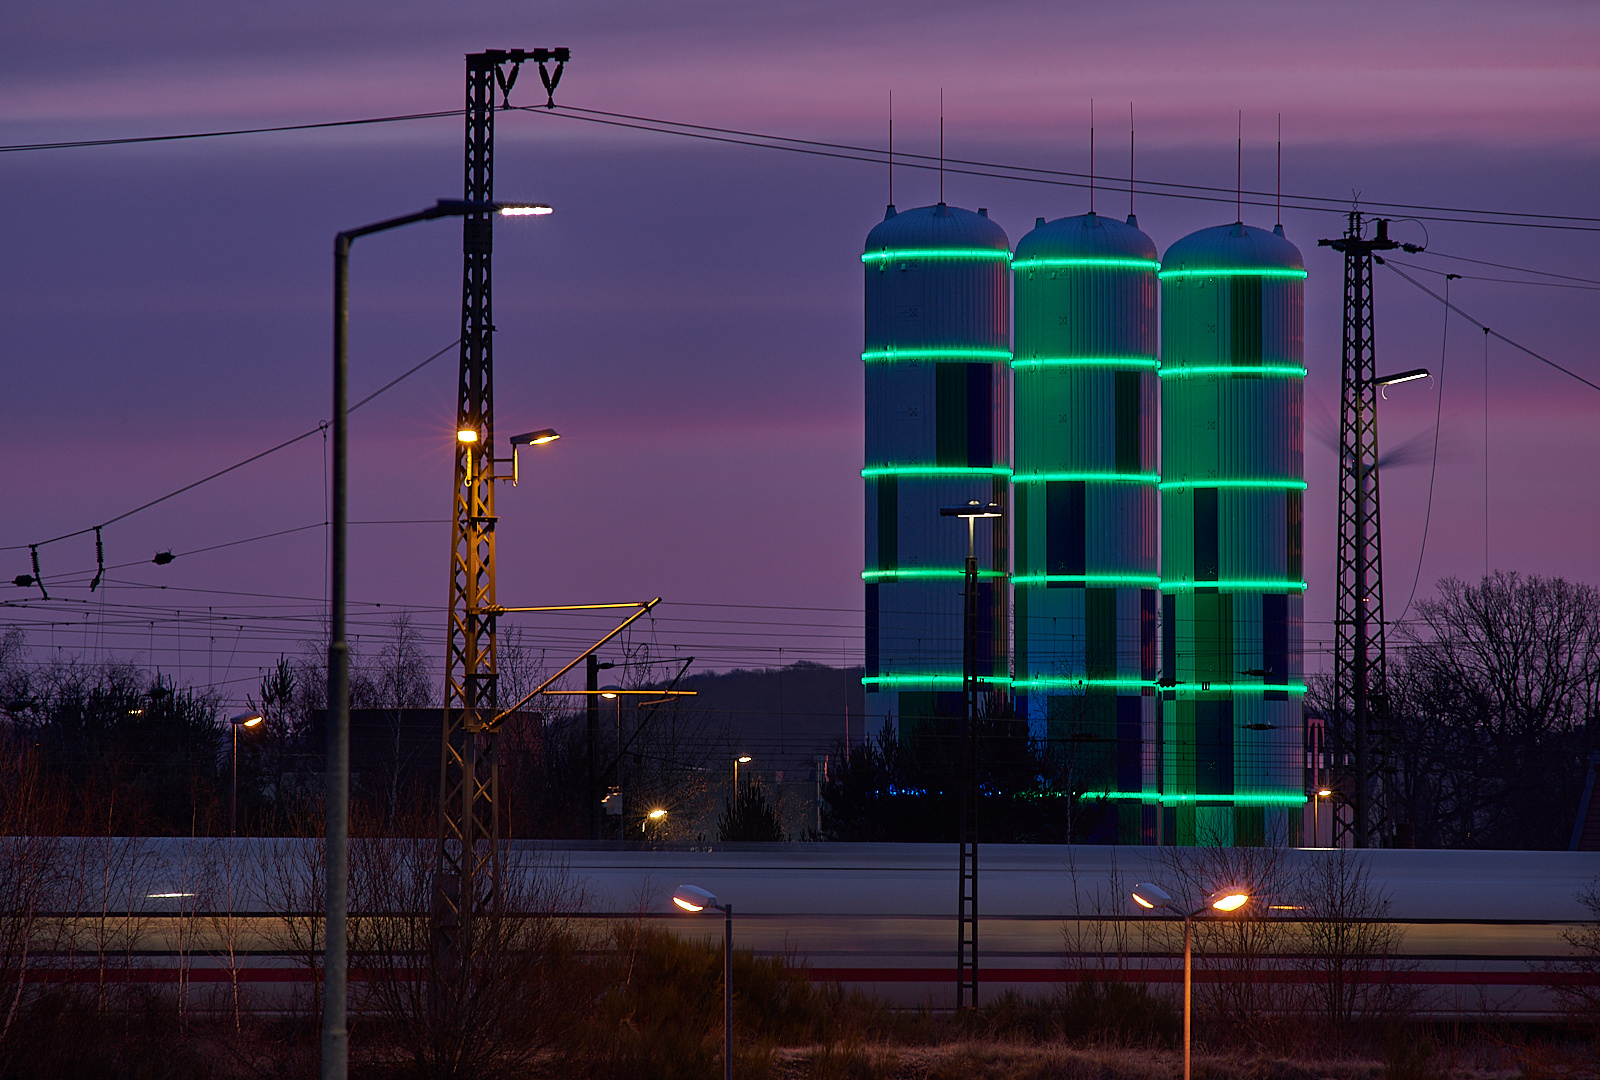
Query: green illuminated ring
x=936, y=253
x=1281, y=370
x=1108, y=363
x=1062, y=683
x=1292, y=485
x=1237, y=687
x=935, y=470
x=1146, y=580
x=1263, y=271
x=1235, y=585
x=1120, y=264
x=1089, y=477
x=906, y=355
x=936, y=573
x=1262, y=798
x=931, y=680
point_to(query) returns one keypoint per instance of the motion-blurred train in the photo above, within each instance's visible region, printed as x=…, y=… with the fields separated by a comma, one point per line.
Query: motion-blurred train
x=1479, y=932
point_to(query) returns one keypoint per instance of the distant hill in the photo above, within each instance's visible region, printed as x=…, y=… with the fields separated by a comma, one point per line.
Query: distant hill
x=783, y=717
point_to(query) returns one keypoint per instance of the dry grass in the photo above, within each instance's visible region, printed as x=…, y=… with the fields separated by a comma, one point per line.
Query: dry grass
x=1061, y=1061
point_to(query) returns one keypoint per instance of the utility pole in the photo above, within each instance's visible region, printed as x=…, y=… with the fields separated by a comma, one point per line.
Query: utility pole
x=1359, y=664
x=592, y=711
x=467, y=882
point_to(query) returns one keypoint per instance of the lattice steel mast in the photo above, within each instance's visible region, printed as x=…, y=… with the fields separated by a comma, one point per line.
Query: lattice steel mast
x=1359, y=664
x=967, y=780
x=467, y=882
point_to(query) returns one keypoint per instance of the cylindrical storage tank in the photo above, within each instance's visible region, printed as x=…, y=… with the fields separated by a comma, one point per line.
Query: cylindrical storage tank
x=937, y=350
x=1084, y=508
x=1232, y=489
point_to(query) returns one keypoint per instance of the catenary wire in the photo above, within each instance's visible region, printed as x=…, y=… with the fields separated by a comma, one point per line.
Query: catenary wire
x=848, y=152
x=239, y=464
x=1487, y=331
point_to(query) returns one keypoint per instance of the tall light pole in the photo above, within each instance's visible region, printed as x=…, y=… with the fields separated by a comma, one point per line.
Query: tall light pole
x=742, y=759
x=967, y=781
x=1154, y=896
x=244, y=719
x=694, y=898
x=612, y=692
x=335, y=1035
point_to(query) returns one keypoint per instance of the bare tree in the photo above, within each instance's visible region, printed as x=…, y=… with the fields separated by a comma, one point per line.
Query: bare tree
x=1493, y=711
x=485, y=1015
x=1237, y=954
x=1348, y=949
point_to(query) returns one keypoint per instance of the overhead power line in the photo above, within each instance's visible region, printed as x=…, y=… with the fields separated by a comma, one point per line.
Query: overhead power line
x=1340, y=204
x=877, y=156
x=80, y=143
x=1493, y=333
x=238, y=464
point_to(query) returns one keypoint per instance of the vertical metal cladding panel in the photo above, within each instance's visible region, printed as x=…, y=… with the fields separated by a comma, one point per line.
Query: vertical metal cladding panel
x=1233, y=482
x=938, y=397
x=1084, y=488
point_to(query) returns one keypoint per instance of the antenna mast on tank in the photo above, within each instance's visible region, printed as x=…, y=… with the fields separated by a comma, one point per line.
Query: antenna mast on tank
x=1091, y=155
x=941, y=146
x=1132, y=219
x=1280, y=173
x=891, y=149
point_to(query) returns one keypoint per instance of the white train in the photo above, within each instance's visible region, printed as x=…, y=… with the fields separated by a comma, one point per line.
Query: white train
x=1478, y=929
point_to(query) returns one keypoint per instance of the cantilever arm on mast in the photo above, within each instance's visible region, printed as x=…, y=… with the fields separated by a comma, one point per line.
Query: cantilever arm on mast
x=536, y=691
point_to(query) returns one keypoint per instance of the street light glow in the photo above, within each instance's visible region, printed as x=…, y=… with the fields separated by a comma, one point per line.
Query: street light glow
x=1232, y=901
x=745, y=760
x=657, y=814
x=525, y=210
x=466, y=435
x=693, y=898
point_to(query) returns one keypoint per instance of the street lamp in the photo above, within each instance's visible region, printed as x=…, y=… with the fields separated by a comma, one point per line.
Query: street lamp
x=613, y=692
x=967, y=823
x=532, y=438
x=244, y=719
x=335, y=1034
x=1316, y=817
x=1154, y=896
x=694, y=898
x=742, y=759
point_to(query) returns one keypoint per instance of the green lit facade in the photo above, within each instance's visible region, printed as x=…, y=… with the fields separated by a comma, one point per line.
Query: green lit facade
x=1232, y=576
x=1085, y=508
x=935, y=363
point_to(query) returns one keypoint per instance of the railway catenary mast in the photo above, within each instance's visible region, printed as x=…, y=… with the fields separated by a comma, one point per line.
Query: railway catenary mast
x=936, y=351
x=1232, y=489
x=1085, y=505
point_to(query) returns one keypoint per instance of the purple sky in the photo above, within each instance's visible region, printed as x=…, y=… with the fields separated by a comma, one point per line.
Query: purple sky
x=690, y=316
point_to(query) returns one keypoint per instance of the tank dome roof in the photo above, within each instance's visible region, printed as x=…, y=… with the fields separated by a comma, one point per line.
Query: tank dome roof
x=1232, y=247
x=1086, y=236
x=937, y=226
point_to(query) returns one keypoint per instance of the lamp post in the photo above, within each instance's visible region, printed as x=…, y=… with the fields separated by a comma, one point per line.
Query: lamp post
x=694, y=898
x=244, y=719
x=742, y=759
x=611, y=692
x=1316, y=816
x=967, y=824
x=335, y=1035
x=1154, y=896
